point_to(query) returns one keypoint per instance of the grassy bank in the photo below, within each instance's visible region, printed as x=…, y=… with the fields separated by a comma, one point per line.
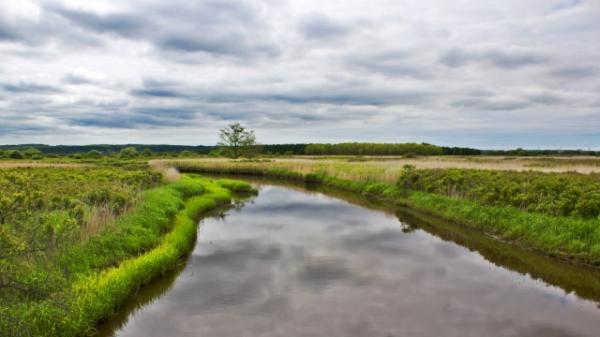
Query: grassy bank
x=89, y=280
x=574, y=237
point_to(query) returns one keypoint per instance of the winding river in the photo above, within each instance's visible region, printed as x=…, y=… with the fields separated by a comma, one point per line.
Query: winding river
x=296, y=262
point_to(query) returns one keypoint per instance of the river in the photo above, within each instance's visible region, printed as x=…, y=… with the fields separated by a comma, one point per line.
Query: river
x=295, y=262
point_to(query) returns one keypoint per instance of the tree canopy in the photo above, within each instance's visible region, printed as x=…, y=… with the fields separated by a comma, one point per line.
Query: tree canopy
x=236, y=139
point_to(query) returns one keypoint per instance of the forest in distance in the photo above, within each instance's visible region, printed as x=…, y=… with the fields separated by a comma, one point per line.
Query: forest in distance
x=36, y=151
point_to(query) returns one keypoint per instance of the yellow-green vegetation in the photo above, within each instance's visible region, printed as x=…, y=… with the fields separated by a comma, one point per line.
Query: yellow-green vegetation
x=556, y=213
x=236, y=185
x=59, y=279
x=560, y=194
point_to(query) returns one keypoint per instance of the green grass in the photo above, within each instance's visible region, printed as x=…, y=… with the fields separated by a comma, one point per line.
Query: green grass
x=145, y=244
x=236, y=185
x=572, y=238
x=564, y=237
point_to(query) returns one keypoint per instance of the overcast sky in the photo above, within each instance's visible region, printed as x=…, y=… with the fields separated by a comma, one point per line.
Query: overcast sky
x=488, y=74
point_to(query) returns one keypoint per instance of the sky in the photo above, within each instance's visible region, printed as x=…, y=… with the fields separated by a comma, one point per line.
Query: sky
x=485, y=74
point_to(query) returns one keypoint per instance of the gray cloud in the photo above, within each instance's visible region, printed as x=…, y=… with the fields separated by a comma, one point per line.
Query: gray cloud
x=230, y=43
x=353, y=97
x=499, y=58
x=139, y=117
x=490, y=104
x=7, y=33
x=18, y=129
x=566, y=4
x=30, y=88
x=121, y=23
x=155, y=92
x=574, y=72
x=78, y=78
x=230, y=27
x=546, y=98
x=334, y=94
x=318, y=26
x=395, y=63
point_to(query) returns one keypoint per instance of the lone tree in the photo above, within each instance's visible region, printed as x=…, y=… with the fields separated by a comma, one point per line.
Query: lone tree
x=235, y=138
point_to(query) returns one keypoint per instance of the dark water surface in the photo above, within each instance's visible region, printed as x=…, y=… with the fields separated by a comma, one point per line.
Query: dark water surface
x=297, y=263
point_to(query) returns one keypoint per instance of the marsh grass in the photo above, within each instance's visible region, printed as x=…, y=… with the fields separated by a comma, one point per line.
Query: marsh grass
x=392, y=165
x=98, y=218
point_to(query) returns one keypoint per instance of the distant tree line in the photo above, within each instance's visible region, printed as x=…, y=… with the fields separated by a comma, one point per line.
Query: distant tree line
x=39, y=151
x=460, y=151
x=107, y=148
x=378, y=149
x=528, y=152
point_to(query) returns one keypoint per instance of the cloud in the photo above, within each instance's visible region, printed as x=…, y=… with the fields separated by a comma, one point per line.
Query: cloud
x=319, y=26
x=392, y=63
x=351, y=97
x=117, y=23
x=30, y=88
x=320, y=93
x=566, y=4
x=489, y=104
x=298, y=71
x=232, y=28
x=155, y=92
x=504, y=59
x=546, y=98
x=82, y=76
x=7, y=33
x=139, y=117
x=574, y=72
x=229, y=43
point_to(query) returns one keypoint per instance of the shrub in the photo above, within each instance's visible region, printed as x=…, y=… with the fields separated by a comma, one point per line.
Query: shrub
x=94, y=154
x=16, y=155
x=128, y=152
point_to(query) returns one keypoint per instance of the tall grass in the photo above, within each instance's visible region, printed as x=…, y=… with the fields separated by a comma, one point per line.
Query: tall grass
x=109, y=268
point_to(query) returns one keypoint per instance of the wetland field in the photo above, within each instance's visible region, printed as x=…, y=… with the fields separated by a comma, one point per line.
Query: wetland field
x=300, y=245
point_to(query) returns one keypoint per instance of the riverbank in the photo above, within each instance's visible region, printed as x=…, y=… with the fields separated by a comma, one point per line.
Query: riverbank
x=142, y=245
x=570, y=238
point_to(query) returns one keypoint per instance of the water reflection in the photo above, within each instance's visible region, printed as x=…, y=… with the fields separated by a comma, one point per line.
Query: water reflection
x=291, y=263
